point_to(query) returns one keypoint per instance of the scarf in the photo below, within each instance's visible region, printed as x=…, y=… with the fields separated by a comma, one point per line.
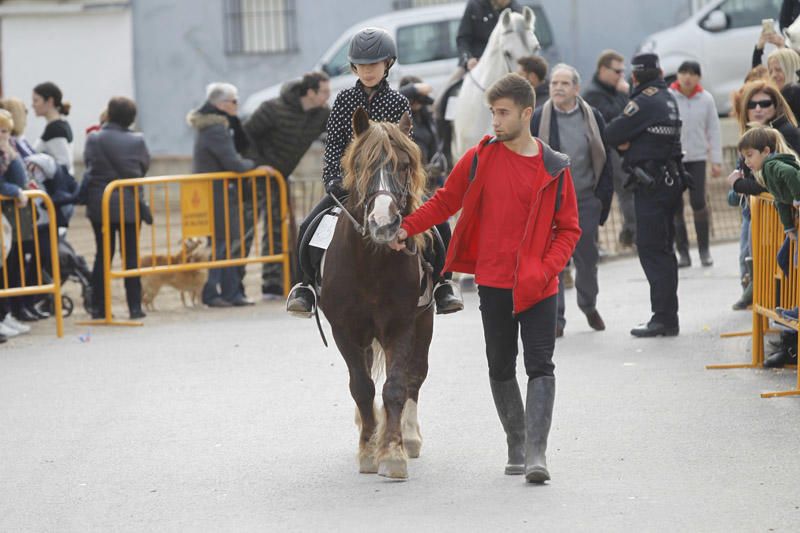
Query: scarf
x=240, y=139
x=595, y=139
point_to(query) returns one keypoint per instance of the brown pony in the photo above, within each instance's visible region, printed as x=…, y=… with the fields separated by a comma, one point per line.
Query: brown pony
x=370, y=293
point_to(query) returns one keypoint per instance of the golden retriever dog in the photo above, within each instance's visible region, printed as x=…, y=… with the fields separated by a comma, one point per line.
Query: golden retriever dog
x=190, y=281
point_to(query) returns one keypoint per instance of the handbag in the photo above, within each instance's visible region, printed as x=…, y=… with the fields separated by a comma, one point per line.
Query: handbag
x=144, y=210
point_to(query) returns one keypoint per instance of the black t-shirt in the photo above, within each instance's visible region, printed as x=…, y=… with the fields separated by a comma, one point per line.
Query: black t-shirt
x=57, y=128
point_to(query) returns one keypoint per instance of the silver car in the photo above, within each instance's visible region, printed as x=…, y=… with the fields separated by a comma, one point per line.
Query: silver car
x=721, y=37
x=426, y=47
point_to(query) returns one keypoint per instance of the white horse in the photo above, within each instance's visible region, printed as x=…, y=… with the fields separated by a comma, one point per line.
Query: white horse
x=511, y=39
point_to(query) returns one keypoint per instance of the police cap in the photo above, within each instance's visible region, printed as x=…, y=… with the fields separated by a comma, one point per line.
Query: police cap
x=645, y=62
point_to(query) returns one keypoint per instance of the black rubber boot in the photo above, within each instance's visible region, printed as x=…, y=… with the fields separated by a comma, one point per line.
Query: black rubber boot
x=508, y=401
x=538, y=417
x=702, y=220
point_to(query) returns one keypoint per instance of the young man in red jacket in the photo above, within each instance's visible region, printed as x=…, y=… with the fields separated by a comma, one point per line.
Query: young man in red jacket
x=517, y=229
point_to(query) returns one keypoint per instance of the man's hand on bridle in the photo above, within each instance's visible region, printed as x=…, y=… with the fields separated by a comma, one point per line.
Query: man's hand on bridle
x=399, y=244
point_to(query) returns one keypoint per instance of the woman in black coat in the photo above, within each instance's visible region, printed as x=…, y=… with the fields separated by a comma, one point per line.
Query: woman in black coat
x=115, y=152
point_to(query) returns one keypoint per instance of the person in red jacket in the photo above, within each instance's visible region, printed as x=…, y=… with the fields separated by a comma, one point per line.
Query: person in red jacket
x=517, y=230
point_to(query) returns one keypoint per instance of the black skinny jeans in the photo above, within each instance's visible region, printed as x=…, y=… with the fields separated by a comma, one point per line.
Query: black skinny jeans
x=133, y=286
x=536, y=326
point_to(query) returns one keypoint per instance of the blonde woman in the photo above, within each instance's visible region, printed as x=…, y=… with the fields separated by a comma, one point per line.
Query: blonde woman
x=19, y=113
x=783, y=65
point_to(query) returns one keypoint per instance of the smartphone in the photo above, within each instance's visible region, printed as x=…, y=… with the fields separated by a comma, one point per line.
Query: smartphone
x=768, y=26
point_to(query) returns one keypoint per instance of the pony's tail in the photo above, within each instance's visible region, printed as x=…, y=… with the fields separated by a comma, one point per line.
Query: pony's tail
x=378, y=362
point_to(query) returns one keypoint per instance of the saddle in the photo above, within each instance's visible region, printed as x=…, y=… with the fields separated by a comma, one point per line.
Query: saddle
x=444, y=126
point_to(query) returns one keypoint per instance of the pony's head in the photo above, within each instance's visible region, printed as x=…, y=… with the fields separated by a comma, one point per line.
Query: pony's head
x=513, y=37
x=383, y=173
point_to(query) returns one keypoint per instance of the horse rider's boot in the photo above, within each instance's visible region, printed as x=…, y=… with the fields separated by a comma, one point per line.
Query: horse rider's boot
x=447, y=297
x=508, y=401
x=538, y=416
x=701, y=226
x=301, y=301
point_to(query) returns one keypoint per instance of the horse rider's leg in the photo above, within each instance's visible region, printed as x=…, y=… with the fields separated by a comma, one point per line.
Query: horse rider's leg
x=392, y=458
x=302, y=297
x=500, y=331
x=537, y=328
x=417, y=372
x=448, y=298
x=362, y=389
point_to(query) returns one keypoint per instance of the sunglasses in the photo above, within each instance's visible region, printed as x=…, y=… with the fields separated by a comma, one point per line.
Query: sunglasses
x=763, y=104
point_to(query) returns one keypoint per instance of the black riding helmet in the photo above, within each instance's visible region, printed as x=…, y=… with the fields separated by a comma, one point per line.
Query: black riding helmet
x=372, y=45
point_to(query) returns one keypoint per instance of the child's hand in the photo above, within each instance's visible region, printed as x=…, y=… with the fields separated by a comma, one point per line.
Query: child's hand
x=22, y=199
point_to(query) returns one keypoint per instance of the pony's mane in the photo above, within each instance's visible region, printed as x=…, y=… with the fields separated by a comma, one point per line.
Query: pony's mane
x=376, y=147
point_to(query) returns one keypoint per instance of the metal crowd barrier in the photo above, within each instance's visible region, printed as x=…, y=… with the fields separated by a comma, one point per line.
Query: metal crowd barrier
x=40, y=284
x=771, y=288
x=196, y=196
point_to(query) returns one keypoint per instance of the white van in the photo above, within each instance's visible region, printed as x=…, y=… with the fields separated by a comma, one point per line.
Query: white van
x=426, y=47
x=721, y=37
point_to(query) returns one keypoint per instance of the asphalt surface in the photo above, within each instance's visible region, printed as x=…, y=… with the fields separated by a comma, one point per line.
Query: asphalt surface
x=240, y=420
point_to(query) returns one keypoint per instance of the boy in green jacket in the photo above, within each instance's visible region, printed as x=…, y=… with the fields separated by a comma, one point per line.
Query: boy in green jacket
x=776, y=167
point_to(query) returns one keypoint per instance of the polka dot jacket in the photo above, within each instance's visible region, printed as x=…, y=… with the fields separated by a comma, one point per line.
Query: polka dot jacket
x=386, y=105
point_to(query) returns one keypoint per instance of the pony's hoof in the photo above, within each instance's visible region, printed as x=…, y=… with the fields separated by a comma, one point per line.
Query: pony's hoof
x=393, y=469
x=367, y=465
x=413, y=447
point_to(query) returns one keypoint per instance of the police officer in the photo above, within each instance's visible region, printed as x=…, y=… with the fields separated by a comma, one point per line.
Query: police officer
x=648, y=136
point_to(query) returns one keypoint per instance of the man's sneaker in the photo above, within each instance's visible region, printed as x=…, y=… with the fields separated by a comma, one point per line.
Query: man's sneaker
x=7, y=331
x=13, y=323
x=301, y=301
x=447, y=300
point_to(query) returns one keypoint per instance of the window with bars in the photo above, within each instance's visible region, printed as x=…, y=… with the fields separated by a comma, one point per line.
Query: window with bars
x=260, y=26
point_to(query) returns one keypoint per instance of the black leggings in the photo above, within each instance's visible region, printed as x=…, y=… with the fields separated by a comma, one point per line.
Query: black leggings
x=697, y=195
x=536, y=326
x=133, y=286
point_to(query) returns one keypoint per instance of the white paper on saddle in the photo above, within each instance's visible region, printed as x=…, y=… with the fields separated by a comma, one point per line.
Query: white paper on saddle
x=450, y=111
x=324, y=235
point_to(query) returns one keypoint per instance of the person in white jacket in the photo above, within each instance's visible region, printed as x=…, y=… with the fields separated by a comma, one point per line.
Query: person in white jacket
x=701, y=141
x=56, y=139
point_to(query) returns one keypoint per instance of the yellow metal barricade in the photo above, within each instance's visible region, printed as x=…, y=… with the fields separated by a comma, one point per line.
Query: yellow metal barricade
x=771, y=288
x=19, y=218
x=238, y=193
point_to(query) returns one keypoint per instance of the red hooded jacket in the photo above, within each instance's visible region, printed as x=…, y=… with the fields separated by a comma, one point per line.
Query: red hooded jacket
x=550, y=235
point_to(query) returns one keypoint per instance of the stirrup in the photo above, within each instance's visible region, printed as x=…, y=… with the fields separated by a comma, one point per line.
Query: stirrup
x=302, y=314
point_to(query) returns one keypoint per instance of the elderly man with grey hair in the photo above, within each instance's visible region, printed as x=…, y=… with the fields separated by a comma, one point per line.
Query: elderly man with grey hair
x=570, y=125
x=219, y=141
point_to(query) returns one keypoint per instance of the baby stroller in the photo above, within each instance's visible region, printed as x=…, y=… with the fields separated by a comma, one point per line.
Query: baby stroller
x=73, y=268
x=64, y=192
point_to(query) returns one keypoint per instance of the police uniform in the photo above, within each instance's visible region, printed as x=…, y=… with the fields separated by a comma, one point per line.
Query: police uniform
x=651, y=124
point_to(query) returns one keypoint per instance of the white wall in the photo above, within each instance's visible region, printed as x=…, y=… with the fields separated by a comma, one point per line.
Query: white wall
x=89, y=55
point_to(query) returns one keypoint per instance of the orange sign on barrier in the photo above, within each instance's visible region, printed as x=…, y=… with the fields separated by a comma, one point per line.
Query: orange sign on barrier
x=196, y=209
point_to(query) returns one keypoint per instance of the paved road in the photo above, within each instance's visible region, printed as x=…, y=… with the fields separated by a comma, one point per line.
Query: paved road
x=241, y=421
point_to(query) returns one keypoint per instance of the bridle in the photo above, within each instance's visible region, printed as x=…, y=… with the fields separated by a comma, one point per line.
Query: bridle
x=383, y=190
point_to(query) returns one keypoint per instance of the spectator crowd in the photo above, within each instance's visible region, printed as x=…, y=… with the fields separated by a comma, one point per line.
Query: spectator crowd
x=571, y=112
